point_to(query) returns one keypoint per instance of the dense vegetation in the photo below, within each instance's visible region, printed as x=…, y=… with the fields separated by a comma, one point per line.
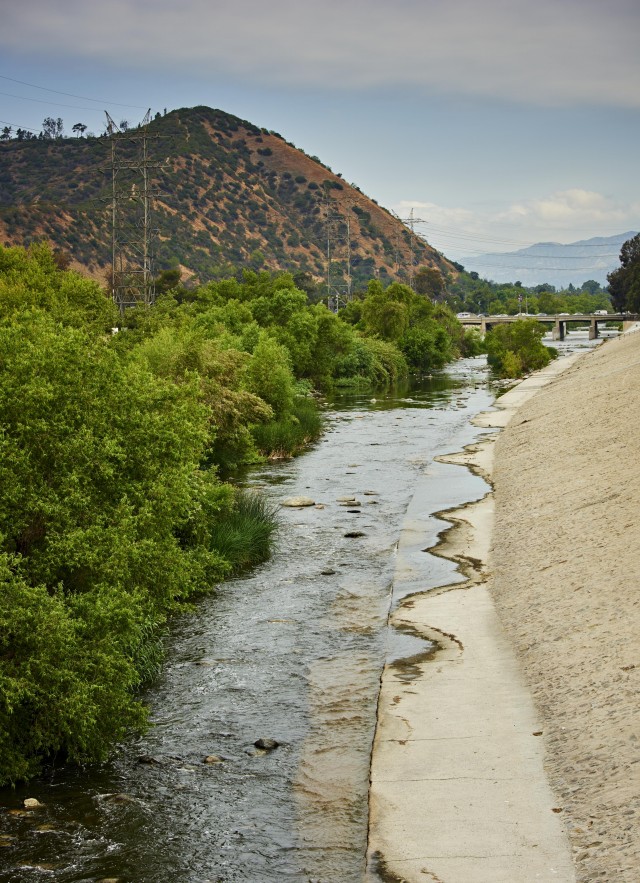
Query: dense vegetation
x=113, y=509
x=517, y=349
x=624, y=283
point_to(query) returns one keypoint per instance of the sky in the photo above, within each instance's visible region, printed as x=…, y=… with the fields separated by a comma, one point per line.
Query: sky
x=495, y=124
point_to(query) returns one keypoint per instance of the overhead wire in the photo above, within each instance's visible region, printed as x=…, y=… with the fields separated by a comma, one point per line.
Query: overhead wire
x=71, y=94
x=26, y=128
x=448, y=231
x=44, y=101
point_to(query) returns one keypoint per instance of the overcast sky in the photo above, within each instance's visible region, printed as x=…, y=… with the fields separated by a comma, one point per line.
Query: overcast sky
x=499, y=122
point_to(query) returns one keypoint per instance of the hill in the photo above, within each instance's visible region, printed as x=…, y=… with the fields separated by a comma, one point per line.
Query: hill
x=554, y=262
x=227, y=195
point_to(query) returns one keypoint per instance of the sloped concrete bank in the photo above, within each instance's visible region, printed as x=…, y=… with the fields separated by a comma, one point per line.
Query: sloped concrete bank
x=566, y=562
x=459, y=791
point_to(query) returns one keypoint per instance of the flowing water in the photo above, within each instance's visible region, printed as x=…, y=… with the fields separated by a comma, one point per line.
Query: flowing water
x=294, y=653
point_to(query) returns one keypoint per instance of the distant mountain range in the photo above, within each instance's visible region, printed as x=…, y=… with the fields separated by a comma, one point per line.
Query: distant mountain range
x=553, y=262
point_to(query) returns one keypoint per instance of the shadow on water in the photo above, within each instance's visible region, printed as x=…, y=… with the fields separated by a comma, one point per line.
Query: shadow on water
x=293, y=652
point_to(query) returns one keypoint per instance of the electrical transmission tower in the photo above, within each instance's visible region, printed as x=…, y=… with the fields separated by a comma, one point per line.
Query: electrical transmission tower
x=131, y=233
x=338, y=233
x=410, y=222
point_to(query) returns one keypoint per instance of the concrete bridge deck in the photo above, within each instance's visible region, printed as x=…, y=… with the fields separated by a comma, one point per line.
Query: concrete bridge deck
x=559, y=321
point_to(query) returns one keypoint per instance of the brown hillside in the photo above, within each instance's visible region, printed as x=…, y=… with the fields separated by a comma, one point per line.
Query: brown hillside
x=228, y=195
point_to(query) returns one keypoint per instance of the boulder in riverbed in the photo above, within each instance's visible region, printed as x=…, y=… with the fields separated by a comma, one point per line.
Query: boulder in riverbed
x=31, y=803
x=266, y=744
x=298, y=502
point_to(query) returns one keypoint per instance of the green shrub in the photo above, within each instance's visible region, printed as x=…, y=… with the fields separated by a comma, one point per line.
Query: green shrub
x=472, y=343
x=516, y=349
x=269, y=375
x=292, y=432
x=426, y=346
x=246, y=533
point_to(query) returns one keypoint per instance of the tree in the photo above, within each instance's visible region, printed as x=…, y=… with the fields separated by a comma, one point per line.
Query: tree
x=167, y=280
x=52, y=128
x=590, y=286
x=6, y=134
x=79, y=129
x=624, y=283
x=428, y=281
x=304, y=281
x=551, y=303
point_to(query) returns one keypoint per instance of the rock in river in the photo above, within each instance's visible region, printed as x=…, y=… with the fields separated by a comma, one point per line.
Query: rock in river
x=266, y=744
x=31, y=803
x=298, y=502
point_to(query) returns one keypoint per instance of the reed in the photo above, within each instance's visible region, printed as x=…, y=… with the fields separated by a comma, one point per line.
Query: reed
x=289, y=434
x=245, y=535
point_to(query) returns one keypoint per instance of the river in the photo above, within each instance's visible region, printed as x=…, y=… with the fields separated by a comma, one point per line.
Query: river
x=293, y=652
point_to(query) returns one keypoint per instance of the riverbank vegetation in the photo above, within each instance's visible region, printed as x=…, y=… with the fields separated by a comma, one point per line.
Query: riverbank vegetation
x=624, y=283
x=516, y=349
x=114, y=511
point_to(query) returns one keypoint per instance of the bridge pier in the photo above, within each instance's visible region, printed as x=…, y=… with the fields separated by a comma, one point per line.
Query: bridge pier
x=593, y=330
x=559, y=330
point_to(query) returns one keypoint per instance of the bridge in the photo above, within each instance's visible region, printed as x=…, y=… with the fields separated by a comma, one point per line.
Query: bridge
x=559, y=321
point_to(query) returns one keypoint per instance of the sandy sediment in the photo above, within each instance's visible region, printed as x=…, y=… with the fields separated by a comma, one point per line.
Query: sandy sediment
x=512, y=757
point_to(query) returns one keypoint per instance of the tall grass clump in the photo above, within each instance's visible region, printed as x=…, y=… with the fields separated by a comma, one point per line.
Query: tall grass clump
x=291, y=432
x=245, y=536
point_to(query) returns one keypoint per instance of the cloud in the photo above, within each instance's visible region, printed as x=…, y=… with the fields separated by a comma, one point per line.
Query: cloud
x=566, y=216
x=547, y=53
x=567, y=208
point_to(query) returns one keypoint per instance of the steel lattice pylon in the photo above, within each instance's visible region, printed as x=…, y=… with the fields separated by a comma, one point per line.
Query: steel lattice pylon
x=132, y=280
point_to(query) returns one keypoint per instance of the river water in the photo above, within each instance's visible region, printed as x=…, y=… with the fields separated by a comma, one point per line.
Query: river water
x=292, y=652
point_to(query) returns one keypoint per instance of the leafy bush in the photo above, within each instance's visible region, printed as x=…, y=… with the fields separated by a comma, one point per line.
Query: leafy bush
x=269, y=375
x=516, y=349
x=108, y=520
x=31, y=278
x=426, y=347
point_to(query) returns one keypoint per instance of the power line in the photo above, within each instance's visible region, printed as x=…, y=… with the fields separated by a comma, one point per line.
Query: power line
x=26, y=128
x=44, y=101
x=477, y=237
x=71, y=94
